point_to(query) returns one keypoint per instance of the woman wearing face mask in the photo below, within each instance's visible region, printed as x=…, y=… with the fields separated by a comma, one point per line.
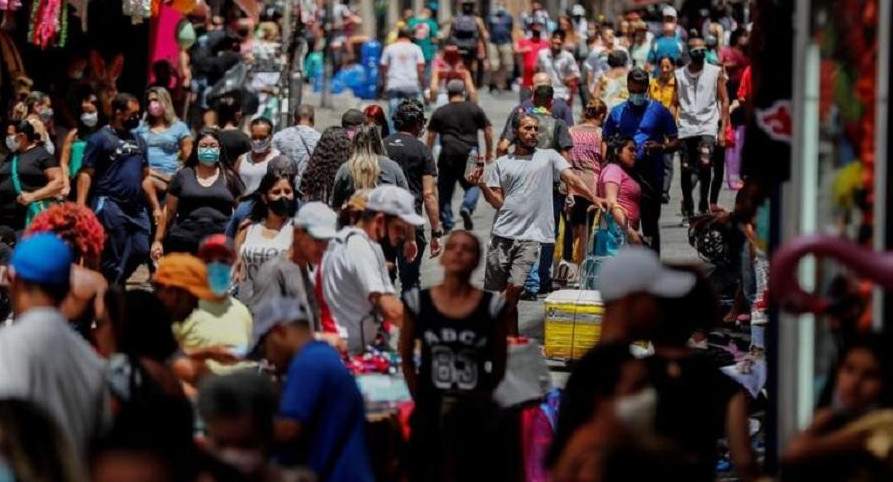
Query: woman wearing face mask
x=168, y=139
x=734, y=57
x=30, y=177
x=453, y=421
x=252, y=166
x=76, y=140
x=831, y=448
x=268, y=231
x=620, y=189
x=40, y=114
x=200, y=200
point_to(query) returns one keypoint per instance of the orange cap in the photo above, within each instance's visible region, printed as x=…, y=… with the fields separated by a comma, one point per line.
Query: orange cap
x=184, y=271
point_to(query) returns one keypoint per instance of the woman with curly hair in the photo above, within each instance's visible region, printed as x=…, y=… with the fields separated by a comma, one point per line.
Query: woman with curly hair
x=319, y=177
x=79, y=228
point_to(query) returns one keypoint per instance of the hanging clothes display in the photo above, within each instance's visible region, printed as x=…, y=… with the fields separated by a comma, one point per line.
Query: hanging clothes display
x=48, y=25
x=10, y=4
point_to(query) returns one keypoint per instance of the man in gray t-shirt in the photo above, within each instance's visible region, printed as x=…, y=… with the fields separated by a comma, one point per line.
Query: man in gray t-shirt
x=520, y=188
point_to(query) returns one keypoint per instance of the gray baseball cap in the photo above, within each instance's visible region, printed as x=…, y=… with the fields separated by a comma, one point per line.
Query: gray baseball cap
x=270, y=314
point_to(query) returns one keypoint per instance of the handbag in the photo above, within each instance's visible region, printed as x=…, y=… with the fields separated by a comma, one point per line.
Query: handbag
x=34, y=208
x=609, y=236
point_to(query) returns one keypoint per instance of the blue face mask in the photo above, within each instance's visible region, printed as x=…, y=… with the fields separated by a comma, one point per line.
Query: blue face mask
x=219, y=275
x=637, y=100
x=208, y=155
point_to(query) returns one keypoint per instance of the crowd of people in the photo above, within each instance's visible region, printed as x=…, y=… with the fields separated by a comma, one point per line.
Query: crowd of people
x=192, y=299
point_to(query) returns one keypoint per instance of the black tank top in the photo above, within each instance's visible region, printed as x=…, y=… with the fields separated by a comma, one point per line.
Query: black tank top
x=456, y=353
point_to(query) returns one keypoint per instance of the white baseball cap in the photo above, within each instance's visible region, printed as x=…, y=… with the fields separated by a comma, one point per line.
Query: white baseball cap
x=669, y=11
x=636, y=269
x=578, y=10
x=395, y=201
x=318, y=220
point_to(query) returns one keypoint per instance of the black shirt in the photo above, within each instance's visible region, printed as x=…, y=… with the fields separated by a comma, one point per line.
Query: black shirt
x=415, y=159
x=201, y=211
x=458, y=124
x=692, y=406
x=119, y=160
x=31, y=167
x=235, y=143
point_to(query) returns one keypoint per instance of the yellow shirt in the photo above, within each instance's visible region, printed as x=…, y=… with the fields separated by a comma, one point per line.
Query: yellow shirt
x=226, y=323
x=663, y=93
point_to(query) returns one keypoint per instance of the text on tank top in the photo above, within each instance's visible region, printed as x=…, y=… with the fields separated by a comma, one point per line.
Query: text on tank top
x=455, y=352
x=257, y=250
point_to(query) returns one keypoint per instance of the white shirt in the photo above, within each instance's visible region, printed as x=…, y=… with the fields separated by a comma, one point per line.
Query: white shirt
x=251, y=173
x=527, y=182
x=698, y=104
x=559, y=68
x=43, y=360
x=402, y=58
x=353, y=269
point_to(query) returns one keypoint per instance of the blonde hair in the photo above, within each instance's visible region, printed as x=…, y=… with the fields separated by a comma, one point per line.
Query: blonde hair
x=165, y=98
x=363, y=161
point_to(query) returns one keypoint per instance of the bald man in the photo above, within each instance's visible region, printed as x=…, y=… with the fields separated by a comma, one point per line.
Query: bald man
x=560, y=110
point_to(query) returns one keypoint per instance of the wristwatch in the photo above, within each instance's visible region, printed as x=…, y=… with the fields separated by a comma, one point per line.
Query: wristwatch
x=437, y=234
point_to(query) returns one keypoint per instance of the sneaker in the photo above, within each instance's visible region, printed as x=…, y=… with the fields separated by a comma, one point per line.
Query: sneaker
x=466, y=219
x=528, y=296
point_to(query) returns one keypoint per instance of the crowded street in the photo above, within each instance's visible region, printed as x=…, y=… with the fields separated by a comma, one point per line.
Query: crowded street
x=446, y=241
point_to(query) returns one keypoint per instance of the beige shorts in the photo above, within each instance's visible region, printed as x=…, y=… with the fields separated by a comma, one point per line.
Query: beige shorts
x=501, y=56
x=509, y=262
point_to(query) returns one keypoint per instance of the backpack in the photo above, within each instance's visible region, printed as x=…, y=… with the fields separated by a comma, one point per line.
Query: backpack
x=464, y=32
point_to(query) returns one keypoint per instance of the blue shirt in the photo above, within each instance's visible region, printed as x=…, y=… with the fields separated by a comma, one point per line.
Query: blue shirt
x=665, y=47
x=118, y=164
x=321, y=394
x=500, y=27
x=653, y=122
x=164, y=147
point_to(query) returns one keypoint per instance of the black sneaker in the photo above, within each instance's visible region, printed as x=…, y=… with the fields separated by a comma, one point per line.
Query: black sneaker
x=466, y=219
x=528, y=296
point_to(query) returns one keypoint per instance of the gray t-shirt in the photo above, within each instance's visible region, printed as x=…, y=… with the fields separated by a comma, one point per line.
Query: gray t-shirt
x=527, y=183
x=44, y=361
x=391, y=173
x=280, y=277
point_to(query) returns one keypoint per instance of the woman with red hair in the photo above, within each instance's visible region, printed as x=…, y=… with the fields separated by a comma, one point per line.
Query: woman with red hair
x=79, y=228
x=375, y=116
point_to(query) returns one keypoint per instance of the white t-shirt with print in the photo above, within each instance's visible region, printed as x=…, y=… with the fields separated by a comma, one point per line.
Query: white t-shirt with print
x=353, y=269
x=402, y=60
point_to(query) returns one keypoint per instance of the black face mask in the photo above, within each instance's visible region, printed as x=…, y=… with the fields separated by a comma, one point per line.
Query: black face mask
x=283, y=207
x=132, y=122
x=697, y=56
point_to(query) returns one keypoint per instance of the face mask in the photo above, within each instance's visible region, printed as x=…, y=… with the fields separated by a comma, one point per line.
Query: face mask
x=208, y=155
x=637, y=100
x=259, y=146
x=46, y=115
x=132, y=123
x=697, y=55
x=283, y=207
x=156, y=109
x=638, y=411
x=6, y=473
x=11, y=143
x=245, y=461
x=90, y=119
x=219, y=275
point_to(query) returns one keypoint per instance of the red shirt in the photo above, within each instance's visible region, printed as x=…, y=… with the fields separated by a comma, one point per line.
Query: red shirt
x=530, y=56
x=744, y=89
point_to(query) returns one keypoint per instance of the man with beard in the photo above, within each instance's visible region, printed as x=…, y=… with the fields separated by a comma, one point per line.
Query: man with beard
x=653, y=128
x=520, y=189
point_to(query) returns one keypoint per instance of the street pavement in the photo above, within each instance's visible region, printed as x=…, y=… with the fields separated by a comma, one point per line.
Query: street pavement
x=498, y=106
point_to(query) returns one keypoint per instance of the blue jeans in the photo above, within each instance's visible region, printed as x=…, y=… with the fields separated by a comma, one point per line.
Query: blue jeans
x=243, y=210
x=395, y=97
x=541, y=274
x=447, y=177
x=127, y=242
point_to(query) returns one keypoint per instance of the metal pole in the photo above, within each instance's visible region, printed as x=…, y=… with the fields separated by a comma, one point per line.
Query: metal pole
x=285, y=80
x=324, y=99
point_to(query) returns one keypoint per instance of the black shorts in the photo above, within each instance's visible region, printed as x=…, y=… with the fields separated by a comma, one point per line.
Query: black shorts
x=579, y=213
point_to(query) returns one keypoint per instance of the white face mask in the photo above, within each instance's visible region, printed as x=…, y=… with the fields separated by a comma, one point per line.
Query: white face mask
x=245, y=461
x=11, y=143
x=90, y=119
x=638, y=411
